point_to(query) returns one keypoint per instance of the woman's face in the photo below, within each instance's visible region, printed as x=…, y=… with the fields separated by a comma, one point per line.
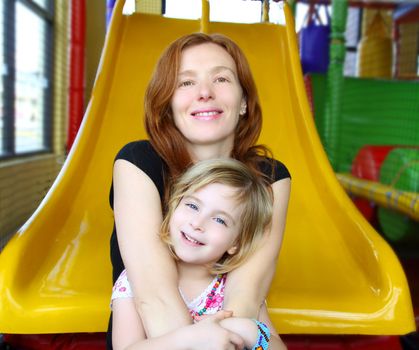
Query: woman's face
x=208, y=97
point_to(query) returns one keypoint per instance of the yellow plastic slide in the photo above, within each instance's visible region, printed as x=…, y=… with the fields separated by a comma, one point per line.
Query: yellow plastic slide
x=335, y=273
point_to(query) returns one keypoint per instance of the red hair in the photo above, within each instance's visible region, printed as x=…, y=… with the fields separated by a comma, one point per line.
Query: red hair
x=164, y=135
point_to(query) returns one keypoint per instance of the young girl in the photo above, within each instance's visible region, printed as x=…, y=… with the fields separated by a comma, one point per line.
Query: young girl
x=216, y=217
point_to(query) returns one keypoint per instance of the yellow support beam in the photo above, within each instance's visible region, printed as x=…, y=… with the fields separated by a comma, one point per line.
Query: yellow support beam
x=205, y=16
x=385, y=196
x=265, y=11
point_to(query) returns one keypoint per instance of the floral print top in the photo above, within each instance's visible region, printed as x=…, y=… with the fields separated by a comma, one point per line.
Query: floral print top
x=122, y=289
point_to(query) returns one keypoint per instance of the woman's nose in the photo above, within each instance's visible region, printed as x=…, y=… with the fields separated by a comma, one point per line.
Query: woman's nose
x=205, y=91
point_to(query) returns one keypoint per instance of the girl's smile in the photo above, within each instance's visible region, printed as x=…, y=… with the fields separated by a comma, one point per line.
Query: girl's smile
x=189, y=240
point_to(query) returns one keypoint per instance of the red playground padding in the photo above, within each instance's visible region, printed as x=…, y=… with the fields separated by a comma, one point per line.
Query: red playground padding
x=367, y=162
x=366, y=165
x=68, y=341
x=309, y=90
x=341, y=342
x=96, y=341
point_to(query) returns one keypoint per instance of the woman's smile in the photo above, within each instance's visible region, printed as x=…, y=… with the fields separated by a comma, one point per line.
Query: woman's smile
x=207, y=114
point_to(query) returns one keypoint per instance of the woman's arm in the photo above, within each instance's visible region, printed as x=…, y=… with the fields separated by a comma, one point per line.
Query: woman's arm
x=276, y=342
x=151, y=270
x=248, y=285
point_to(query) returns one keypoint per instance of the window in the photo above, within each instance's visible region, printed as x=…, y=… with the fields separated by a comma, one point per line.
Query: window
x=26, y=50
x=221, y=10
x=352, y=37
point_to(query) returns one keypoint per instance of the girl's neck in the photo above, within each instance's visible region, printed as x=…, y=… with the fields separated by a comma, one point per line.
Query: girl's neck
x=204, y=152
x=188, y=272
x=193, y=279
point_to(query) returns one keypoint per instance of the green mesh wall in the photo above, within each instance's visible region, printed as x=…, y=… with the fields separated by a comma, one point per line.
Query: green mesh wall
x=374, y=112
x=378, y=112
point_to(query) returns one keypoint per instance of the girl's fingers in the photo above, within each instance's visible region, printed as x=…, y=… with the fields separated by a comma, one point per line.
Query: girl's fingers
x=237, y=341
x=221, y=315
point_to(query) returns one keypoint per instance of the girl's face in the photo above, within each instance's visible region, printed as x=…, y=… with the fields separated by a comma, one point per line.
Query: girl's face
x=208, y=97
x=206, y=224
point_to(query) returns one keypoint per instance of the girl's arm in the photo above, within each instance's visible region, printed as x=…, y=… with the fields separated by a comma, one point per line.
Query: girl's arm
x=248, y=330
x=128, y=332
x=151, y=269
x=127, y=327
x=248, y=285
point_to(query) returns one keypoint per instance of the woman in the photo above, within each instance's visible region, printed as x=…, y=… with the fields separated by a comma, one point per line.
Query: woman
x=201, y=103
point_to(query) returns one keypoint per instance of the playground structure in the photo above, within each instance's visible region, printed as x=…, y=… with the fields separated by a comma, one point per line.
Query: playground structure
x=357, y=118
x=335, y=275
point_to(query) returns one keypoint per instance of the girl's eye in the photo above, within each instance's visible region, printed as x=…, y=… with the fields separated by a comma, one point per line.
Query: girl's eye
x=185, y=83
x=192, y=206
x=220, y=221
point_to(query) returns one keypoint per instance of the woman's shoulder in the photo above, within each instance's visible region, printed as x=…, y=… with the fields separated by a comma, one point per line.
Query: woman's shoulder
x=143, y=155
x=274, y=169
x=137, y=152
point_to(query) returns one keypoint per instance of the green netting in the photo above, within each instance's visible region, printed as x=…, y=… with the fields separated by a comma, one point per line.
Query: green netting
x=374, y=112
x=401, y=169
x=396, y=227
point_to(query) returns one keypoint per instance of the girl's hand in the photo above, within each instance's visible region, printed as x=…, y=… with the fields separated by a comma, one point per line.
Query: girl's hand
x=245, y=327
x=197, y=318
x=209, y=335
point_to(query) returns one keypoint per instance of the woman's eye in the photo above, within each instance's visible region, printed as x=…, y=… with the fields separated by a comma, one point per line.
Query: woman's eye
x=221, y=80
x=221, y=221
x=192, y=206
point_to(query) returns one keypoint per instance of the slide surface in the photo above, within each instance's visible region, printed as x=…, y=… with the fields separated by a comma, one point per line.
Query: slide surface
x=335, y=273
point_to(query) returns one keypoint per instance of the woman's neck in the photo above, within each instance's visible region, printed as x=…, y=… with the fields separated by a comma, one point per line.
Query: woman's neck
x=204, y=152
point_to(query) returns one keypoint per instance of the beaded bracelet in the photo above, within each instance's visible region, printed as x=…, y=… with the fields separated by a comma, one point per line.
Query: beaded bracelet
x=264, y=334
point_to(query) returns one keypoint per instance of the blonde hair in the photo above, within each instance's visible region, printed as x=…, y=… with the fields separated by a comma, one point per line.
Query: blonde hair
x=252, y=192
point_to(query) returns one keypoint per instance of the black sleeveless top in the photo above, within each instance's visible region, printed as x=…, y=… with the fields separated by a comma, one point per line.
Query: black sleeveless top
x=143, y=156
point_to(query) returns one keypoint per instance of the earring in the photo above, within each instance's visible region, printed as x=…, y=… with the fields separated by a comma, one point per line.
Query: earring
x=243, y=110
x=232, y=250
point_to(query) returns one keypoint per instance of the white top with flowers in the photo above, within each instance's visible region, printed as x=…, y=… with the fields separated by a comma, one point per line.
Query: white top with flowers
x=122, y=289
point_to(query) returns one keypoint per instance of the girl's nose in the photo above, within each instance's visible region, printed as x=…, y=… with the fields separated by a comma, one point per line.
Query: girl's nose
x=197, y=223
